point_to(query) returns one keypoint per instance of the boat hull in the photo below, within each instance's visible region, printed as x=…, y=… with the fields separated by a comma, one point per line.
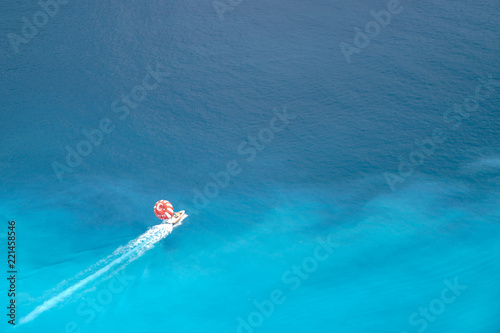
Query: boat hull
x=176, y=219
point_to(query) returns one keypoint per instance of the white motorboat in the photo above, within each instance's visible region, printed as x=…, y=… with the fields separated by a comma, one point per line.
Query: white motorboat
x=178, y=217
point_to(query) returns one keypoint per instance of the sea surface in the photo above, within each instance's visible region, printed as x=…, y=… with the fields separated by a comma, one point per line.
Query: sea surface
x=337, y=178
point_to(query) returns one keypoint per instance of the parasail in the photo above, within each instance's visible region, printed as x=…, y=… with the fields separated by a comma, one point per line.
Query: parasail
x=164, y=210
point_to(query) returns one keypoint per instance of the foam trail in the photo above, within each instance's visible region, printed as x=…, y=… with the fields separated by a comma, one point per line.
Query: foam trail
x=133, y=250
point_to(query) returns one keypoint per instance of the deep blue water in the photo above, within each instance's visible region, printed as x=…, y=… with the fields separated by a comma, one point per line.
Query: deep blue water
x=326, y=226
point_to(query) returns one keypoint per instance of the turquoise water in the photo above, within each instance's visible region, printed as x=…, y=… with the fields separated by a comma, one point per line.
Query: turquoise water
x=368, y=203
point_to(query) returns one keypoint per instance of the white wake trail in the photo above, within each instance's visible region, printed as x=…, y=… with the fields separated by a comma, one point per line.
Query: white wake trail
x=133, y=250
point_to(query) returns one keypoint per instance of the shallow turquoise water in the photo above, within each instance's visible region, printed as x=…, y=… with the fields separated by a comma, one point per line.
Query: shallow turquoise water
x=307, y=235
